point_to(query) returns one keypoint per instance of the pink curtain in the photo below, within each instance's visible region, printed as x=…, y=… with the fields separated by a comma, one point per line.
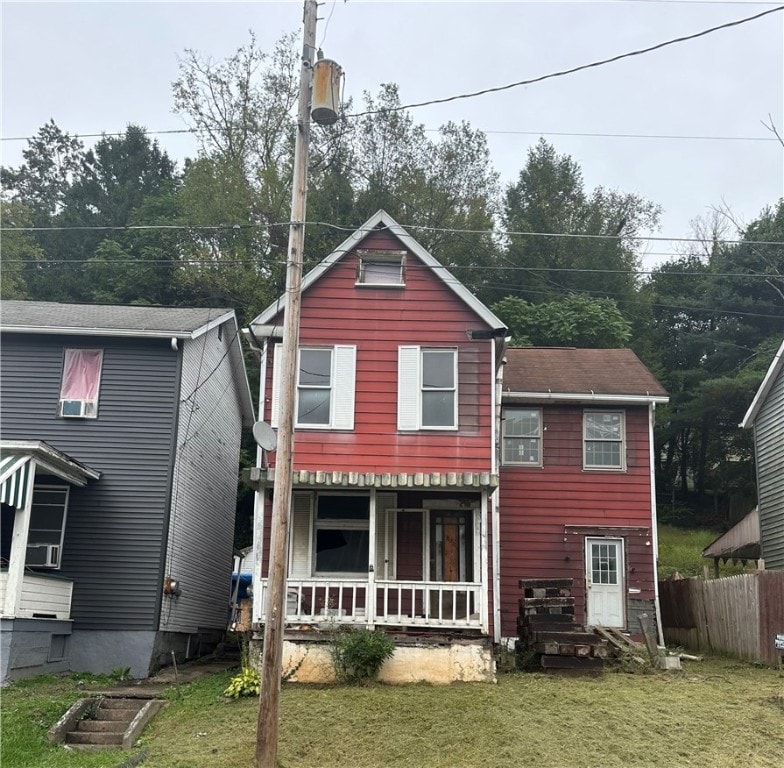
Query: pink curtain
x=81, y=374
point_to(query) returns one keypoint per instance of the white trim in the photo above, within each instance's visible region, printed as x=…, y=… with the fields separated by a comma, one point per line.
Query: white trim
x=534, y=464
x=604, y=467
x=381, y=219
x=654, y=525
x=762, y=392
x=495, y=498
x=586, y=397
x=59, y=545
x=18, y=554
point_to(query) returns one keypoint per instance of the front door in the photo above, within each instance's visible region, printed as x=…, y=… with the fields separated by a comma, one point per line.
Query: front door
x=451, y=559
x=451, y=546
x=604, y=581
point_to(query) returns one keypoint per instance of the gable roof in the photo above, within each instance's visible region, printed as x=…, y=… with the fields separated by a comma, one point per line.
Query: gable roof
x=566, y=373
x=131, y=322
x=382, y=220
x=762, y=392
x=110, y=320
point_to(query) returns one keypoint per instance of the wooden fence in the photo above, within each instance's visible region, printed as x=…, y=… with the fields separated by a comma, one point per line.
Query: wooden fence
x=738, y=615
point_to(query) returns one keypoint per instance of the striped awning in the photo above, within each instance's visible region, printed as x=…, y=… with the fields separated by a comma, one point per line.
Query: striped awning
x=15, y=480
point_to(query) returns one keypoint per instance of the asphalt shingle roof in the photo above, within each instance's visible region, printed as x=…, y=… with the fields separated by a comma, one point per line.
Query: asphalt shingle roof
x=578, y=371
x=174, y=321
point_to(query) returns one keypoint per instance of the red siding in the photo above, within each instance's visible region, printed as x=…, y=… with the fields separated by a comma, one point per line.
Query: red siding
x=378, y=321
x=540, y=508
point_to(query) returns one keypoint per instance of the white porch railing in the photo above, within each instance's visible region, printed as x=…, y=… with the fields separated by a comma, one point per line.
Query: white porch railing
x=46, y=597
x=428, y=604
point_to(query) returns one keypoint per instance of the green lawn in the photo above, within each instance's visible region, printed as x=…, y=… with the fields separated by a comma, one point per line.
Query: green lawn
x=716, y=713
x=680, y=548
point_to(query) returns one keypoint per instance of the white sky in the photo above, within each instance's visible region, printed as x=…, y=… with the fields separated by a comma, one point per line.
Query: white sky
x=97, y=66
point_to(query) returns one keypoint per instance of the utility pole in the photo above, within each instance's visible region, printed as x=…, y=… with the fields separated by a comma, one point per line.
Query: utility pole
x=267, y=728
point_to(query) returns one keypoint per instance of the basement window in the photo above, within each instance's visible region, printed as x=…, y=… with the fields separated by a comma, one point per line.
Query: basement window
x=381, y=268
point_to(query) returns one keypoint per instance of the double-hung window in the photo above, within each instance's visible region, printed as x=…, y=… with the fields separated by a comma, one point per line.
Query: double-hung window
x=314, y=387
x=325, y=387
x=522, y=436
x=604, y=440
x=427, y=388
x=81, y=383
x=47, y=526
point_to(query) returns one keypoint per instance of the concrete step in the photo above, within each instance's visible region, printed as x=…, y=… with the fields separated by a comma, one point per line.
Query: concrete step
x=94, y=739
x=102, y=726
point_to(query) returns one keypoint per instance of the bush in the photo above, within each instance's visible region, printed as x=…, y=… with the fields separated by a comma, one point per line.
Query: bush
x=246, y=683
x=359, y=654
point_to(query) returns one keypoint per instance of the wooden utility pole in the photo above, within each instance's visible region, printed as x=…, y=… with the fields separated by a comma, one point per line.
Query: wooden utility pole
x=267, y=728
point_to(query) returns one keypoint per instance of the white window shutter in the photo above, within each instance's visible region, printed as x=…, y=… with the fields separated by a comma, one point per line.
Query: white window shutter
x=386, y=536
x=408, y=388
x=343, y=388
x=276, y=375
x=300, y=535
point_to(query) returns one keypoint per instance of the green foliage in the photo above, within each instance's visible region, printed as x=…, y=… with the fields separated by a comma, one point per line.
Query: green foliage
x=573, y=321
x=121, y=674
x=246, y=683
x=549, y=197
x=358, y=655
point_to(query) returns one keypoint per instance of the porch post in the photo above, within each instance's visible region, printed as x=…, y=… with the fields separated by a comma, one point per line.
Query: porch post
x=16, y=564
x=484, y=575
x=370, y=596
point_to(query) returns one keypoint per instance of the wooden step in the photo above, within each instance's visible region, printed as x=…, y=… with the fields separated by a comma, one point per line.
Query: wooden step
x=571, y=662
x=545, y=583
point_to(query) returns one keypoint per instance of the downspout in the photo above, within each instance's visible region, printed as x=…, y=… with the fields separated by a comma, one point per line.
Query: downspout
x=258, y=502
x=495, y=498
x=654, y=524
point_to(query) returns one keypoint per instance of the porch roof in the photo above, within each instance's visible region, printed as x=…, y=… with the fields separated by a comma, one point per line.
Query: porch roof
x=16, y=457
x=259, y=478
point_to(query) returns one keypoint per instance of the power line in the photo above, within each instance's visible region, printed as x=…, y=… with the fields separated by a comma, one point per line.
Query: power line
x=343, y=228
x=251, y=262
x=572, y=70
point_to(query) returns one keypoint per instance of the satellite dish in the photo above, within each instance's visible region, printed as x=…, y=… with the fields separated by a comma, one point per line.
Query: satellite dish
x=264, y=435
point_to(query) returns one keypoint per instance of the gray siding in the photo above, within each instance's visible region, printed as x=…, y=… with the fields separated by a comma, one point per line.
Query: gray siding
x=116, y=525
x=204, y=495
x=769, y=448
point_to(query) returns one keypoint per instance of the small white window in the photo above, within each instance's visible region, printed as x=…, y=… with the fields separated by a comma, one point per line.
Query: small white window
x=427, y=388
x=325, y=387
x=603, y=440
x=522, y=436
x=81, y=383
x=381, y=268
x=47, y=526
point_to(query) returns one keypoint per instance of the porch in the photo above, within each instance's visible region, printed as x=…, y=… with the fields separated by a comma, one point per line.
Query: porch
x=398, y=551
x=344, y=602
x=42, y=596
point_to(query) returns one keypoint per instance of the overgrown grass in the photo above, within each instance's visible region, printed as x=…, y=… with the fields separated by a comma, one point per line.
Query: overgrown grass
x=680, y=548
x=716, y=714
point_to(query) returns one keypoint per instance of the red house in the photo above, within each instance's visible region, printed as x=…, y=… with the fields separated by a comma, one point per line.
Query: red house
x=395, y=517
x=577, y=492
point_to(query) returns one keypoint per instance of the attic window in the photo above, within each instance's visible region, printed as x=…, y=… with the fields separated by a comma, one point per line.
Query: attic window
x=385, y=268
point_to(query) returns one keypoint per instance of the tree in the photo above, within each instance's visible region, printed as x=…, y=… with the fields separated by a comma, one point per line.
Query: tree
x=572, y=321
x=578, y=241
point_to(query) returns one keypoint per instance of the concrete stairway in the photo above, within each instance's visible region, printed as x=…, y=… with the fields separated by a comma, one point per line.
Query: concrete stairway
x=104, y=722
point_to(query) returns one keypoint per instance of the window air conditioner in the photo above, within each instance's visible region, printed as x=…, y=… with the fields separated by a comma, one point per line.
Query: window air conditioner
x=74, y=409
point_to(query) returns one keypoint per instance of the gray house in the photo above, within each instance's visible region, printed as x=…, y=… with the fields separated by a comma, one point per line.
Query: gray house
x=766, y=417
x=118, y=478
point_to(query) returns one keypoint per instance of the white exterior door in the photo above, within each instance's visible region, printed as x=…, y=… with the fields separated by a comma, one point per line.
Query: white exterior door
x=604, y=580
